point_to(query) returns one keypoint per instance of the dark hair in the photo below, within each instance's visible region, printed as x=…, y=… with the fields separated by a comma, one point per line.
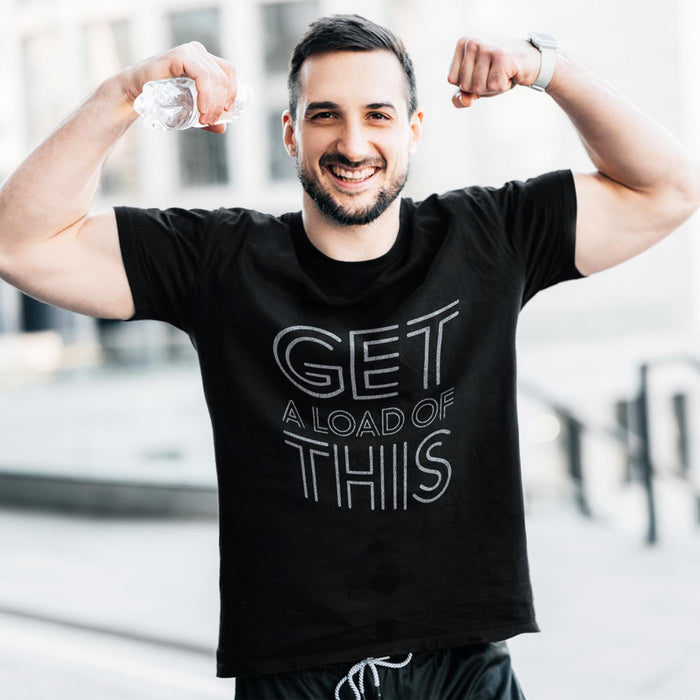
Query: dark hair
x=347, y=33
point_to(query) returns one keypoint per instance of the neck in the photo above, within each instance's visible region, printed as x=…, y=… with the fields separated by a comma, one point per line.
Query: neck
x=351, y=243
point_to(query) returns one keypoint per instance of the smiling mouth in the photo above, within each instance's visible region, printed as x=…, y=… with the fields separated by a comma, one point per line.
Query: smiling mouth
x=352, y=175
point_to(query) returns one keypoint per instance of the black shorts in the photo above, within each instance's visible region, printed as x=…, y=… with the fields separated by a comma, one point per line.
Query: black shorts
x=474, y=672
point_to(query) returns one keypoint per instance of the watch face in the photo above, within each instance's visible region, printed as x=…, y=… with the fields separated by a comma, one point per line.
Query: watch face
x=543, y=41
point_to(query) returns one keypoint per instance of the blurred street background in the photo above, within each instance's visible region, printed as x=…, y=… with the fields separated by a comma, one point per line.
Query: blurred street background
x=108, y=534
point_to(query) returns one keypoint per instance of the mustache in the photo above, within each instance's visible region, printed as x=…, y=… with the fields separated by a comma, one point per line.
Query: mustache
x=329, y=159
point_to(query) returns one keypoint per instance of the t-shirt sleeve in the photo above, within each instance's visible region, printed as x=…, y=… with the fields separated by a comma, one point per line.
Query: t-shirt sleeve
x=161, y=250
x=540, y=222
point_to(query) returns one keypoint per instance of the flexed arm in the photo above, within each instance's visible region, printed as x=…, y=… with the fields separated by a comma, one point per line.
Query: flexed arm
x=646, y=184
x=49, y=246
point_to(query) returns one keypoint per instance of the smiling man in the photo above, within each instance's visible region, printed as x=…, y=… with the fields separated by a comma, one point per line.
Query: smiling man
x=358, y=356
x=352, y=141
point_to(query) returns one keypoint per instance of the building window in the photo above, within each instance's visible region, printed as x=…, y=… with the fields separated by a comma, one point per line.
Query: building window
x=283, y=25
x=202, y=156
x=107, y=49
x=281, y=166
x=42, y=101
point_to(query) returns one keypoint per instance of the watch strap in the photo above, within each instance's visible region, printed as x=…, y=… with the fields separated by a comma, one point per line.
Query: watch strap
x=547, y=46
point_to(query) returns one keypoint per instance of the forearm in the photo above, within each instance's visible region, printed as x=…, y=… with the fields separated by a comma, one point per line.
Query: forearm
x=624, y=144
x=54, y=187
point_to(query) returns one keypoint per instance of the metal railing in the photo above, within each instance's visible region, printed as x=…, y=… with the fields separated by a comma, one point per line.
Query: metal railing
x=574, y=428
x=645, y=433
x=635, y=439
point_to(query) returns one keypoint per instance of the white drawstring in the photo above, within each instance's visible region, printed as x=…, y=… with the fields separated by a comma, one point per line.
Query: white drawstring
x=359, y=669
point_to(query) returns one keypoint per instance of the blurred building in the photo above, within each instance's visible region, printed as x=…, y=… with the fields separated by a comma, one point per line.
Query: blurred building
x=581, y=342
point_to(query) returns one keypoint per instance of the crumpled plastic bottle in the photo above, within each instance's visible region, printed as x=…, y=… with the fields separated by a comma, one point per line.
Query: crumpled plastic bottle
x=171, y=104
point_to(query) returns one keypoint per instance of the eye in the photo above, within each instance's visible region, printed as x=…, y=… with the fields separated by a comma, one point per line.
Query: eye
x=321, y=116
x=379, y=116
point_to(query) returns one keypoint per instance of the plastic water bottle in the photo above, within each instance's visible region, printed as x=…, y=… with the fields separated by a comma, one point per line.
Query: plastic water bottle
x=171, y=104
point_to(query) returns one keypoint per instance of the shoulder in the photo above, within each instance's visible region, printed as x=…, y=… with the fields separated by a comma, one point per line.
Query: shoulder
x=239, y=225
x=197, y=227
x=501, y=205
x=467, y=204
x=236, y=216
x=223, y=217
x=550, y=184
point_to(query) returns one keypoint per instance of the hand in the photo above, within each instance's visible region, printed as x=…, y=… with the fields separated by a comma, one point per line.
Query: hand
x=215, y=79
x=484, y=69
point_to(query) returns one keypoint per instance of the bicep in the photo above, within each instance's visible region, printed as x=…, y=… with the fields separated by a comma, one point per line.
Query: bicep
x=614, y=223
x=79, y=269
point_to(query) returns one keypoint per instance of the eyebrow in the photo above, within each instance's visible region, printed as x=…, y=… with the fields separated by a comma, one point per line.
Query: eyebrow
x=315, y=106
x=382, y=105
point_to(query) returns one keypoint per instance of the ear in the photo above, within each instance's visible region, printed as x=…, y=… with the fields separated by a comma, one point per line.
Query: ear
x=416, y=126
x=288, y=133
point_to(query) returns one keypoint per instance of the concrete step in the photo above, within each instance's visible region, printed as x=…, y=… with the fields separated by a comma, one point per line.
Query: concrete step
x=93, y=496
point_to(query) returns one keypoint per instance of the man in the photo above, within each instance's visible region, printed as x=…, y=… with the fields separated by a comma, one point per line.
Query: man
x=358, y=356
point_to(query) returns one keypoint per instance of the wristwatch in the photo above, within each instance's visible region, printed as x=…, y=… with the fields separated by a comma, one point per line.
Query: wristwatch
x=547, y=46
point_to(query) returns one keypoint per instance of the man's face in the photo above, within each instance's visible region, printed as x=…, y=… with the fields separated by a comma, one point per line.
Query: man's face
x=352, y=136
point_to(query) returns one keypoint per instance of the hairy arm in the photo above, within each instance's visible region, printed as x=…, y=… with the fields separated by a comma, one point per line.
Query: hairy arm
x=50, y=247
x=646, y=184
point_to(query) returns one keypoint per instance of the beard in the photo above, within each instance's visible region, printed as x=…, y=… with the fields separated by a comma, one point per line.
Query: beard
x=335, y=211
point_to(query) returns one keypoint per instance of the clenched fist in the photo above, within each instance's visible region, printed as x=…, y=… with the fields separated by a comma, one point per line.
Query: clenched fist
x=214, y=77
x=483, y=69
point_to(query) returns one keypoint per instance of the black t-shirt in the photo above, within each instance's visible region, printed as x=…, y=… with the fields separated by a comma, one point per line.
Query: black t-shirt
x=364, y=417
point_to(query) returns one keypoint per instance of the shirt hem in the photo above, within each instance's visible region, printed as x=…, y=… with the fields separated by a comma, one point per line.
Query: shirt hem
x=229, y=669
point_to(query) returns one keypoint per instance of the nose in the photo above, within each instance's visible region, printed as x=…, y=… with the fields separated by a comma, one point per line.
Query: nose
x=352, y=141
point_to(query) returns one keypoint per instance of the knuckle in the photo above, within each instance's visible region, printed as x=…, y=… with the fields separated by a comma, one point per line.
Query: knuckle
x=177, y=53
x=216, y=74
x=196, y=46
x=472, y=45
x=204, y=77
x=494, y=84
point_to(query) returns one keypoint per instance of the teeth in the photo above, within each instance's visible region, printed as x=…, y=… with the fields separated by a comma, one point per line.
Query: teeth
x=353, y=175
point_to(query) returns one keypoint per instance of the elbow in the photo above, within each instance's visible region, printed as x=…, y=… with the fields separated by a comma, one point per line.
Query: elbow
x=694, y=199
x=8, y=237
x=3, y=239
x=9, y=255
x=678, y=198
x=5, y=255
x=688, y=190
